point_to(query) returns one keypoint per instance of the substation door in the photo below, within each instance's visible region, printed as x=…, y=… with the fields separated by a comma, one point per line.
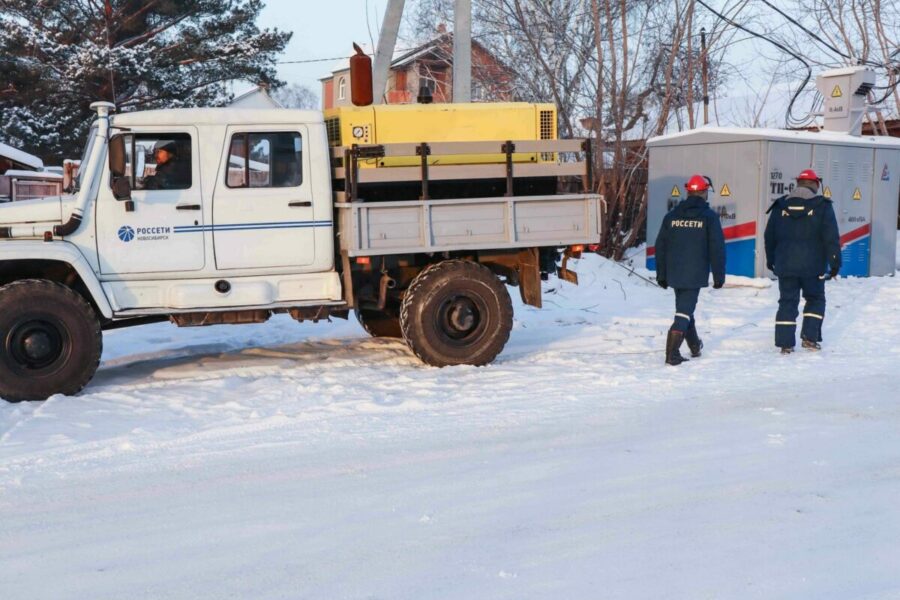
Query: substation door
x=847, y=174
x=735, y=174
x=885, y=192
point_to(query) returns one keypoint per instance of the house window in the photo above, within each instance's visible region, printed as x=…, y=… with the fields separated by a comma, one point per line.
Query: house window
x=437, y=80
x=265, y=160
x=342, y=88
x=428, y=81
x=479, y=93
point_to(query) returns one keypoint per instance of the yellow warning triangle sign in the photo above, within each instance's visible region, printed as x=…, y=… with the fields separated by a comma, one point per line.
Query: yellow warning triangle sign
x=827, y=192
x=857, y=195
x=836, y=92
x=675, y=192
x=726, y=191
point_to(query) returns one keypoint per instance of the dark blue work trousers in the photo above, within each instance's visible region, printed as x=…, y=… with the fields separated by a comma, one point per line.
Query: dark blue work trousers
x=685, y=305
x=813, y=289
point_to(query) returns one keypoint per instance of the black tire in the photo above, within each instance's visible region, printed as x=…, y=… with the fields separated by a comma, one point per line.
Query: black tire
x=50, y=340
x=456, y=313
x=379, y=324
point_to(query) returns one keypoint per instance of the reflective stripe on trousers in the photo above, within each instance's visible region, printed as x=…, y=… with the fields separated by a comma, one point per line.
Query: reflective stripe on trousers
x=685, y=305
x=813, y=290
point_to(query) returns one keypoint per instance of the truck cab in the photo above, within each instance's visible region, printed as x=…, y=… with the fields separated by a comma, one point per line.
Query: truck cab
x=223, y=216
x=243, y=198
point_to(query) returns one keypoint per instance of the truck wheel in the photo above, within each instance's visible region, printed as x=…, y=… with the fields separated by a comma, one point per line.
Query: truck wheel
x=456, y=313
x=379, y=324
x=50, y=340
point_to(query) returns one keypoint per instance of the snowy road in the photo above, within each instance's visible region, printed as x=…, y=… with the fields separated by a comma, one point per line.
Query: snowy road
x=289, y=461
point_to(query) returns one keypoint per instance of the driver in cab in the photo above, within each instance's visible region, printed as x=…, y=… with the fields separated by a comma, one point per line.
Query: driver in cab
x=172, y=171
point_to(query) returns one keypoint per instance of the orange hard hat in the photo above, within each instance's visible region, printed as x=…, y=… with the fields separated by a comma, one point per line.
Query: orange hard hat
x=698, y=183
x=808, y=174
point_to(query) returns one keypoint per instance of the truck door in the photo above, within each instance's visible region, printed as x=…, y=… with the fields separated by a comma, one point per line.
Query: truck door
x=263, y=203
x=164, y=233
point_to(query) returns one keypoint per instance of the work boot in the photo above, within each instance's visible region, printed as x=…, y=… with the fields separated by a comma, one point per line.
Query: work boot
x=787, y=350
x=810, y=345
x=673, y=343
x=695, y=344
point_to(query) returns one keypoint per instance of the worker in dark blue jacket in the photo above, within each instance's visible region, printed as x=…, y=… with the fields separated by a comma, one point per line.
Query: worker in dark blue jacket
x=802, y=238
x=690, y=244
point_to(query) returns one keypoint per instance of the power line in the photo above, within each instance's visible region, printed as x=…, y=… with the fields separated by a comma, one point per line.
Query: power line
x=819, y=39
x=311, y=60
x=476, y=36
x=318, y=60
x=890, y=90
x=790, y=119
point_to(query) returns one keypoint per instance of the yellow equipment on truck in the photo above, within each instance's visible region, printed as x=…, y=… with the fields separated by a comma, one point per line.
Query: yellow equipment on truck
x=471, y=122
x=434, y=151
x=422, y=151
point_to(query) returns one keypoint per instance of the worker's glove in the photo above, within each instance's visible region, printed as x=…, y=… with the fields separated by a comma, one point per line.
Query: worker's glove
x=662, y=283
x=719, y=284
x=835, y=271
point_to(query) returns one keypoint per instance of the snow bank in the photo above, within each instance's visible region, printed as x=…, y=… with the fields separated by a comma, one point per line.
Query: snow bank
x=284, y=460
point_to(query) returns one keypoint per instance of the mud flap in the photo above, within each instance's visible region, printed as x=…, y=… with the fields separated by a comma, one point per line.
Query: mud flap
x=530, y=277
x=563, y=271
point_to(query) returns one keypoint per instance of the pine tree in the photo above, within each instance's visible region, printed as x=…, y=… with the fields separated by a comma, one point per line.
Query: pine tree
x=58, y=56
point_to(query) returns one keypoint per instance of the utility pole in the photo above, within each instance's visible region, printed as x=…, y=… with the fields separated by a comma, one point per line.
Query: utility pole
x=387, y=41
x=462, y=51
x=705, y=64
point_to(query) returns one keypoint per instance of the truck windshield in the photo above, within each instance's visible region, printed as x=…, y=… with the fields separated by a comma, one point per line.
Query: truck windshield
x=88, y=146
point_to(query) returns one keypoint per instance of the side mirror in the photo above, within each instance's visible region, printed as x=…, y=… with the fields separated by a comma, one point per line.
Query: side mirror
x=121, y=188
x=121, y=185
x=117, y=156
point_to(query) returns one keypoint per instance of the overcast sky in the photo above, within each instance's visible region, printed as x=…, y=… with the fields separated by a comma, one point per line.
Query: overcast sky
x=323, y=29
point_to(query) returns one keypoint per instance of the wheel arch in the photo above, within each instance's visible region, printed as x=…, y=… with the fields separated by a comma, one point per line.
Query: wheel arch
x=53, y=261
x=520, y=267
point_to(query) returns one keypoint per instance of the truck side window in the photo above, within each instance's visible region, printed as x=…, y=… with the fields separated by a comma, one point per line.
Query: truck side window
x=265, y=160
x=158, y=161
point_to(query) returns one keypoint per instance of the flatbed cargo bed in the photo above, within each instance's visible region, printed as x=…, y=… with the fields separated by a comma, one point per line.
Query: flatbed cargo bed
x=412, y=226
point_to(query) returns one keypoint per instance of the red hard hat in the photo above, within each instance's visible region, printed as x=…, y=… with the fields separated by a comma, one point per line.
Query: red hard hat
x=808, y=174
x=698, y=183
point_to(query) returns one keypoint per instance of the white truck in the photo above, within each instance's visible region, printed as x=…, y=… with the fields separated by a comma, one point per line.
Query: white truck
x=223, y=216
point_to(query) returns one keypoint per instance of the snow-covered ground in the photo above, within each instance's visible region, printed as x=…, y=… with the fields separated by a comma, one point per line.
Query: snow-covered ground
x=302, y=461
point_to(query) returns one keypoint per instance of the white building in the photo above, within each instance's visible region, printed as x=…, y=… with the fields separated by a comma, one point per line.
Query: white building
x=15, y=159
x=255, y=97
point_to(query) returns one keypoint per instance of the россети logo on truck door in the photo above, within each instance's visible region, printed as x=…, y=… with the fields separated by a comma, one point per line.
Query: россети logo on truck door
x=127, y=233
